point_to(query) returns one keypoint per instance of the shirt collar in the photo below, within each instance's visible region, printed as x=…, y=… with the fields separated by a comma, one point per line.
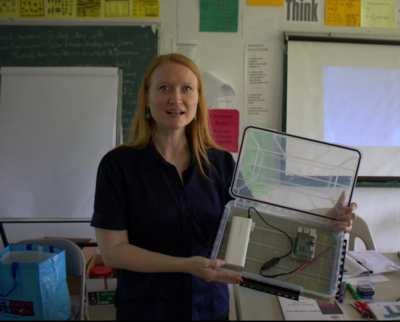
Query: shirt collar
x=150, y=157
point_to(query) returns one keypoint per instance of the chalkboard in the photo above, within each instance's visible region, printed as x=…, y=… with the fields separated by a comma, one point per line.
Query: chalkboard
x=130, y=48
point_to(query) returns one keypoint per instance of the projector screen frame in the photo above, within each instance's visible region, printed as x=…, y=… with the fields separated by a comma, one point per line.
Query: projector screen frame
x=362, y=181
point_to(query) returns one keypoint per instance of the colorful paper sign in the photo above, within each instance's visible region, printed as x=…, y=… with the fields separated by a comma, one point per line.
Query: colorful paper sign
x=116, y=8
x=225, y=128
x=31, y=8
x=342, y=13
x=60, y=9
x=88, y=8
x=378, y=14
x=145, y=8
x=8, y=9
x=219, y=15
x=276, y=3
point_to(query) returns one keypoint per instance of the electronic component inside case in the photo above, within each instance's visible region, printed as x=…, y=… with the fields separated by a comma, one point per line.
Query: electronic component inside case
x=304, y=244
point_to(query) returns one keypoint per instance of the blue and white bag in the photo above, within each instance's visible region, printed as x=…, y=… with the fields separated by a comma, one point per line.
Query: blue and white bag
x=33, y=284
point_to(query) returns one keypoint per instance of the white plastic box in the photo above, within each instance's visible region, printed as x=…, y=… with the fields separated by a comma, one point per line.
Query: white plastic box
x=292, y=182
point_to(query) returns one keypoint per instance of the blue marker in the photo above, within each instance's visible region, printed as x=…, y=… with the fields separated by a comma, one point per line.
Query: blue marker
x=342, y=292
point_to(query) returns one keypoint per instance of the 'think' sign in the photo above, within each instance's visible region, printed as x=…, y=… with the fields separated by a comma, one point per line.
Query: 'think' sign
x=300, y=10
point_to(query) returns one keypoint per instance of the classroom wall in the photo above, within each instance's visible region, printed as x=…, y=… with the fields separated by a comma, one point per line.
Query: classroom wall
x=223, y=54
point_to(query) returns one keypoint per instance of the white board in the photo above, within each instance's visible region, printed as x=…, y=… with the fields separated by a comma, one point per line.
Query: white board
x=56, y=123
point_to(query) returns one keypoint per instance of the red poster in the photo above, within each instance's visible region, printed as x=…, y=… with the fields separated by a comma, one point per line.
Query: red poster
x=225, y=128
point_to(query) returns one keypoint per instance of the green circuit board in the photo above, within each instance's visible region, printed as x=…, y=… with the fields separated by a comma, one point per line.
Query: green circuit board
x=304, y=244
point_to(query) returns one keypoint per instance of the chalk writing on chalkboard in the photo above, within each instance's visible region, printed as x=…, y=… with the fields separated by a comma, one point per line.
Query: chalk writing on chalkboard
x=130, y=48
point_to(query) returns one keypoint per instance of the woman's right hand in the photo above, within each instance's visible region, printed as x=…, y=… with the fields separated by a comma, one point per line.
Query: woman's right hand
x=204, y=268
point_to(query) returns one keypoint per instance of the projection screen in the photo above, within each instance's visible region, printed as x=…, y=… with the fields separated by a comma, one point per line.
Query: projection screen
x=347, y=91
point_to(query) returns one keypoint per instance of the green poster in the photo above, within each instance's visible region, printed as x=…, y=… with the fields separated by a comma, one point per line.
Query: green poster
x=219, y=15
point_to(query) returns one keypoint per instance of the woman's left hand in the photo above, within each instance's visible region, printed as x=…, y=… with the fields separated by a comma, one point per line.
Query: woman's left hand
x=345, y=221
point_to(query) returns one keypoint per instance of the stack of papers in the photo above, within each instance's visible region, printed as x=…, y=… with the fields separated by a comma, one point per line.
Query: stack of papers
x=370, y=262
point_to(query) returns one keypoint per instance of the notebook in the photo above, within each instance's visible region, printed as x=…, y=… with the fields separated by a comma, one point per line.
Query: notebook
x=369, y=262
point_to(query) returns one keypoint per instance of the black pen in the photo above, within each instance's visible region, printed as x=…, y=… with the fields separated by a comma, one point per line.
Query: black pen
x=371, y=272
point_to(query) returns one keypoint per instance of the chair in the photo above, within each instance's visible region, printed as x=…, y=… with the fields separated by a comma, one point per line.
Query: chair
x=361, y=230
x=75, y=266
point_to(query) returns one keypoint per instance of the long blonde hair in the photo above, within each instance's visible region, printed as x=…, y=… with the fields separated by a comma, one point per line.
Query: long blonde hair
x=142, y=132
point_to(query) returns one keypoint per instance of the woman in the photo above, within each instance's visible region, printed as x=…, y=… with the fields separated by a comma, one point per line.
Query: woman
x=159, y=198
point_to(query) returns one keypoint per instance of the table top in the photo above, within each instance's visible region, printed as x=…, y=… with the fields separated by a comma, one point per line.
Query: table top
x=255, y=305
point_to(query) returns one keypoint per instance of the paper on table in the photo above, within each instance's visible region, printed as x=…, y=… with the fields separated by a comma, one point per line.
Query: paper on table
x=219, y=95
x=386, y=310
x=374, y=261
x=309, y=309
x=352, y=268
x=372, y=279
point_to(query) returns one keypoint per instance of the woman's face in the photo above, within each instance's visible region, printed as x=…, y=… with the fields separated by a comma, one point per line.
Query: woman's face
x=172, y=96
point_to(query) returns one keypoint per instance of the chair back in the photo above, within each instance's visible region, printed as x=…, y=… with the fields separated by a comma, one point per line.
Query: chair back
x=75, y=266
x=362, y=231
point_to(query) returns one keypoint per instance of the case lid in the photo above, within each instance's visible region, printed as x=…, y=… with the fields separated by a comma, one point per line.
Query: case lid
x=296, y=173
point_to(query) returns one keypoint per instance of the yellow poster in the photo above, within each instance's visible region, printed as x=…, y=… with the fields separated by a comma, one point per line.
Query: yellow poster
x=60, y=9
x=88, y=8
x=378, y=14
x=116, y=8
x=8, y=9
x=276, y=3
x=145, y=8
x=342, y=13
x=31, y=8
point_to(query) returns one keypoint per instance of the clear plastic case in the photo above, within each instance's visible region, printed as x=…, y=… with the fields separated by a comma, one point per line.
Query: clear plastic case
x=292, y=182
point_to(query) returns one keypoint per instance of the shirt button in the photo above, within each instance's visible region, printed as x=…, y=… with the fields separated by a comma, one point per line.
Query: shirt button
x=183, y=192
x=187, y=214
x=187, y=236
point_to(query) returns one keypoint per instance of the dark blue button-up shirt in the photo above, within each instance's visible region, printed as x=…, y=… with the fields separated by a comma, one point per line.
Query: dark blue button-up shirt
x=138, y=191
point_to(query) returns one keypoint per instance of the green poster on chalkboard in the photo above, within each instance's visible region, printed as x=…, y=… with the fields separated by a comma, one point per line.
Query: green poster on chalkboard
x=130, y=48
x=219, y=15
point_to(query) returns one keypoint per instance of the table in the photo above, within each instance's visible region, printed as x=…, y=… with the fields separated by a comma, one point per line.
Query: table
x=255, y=305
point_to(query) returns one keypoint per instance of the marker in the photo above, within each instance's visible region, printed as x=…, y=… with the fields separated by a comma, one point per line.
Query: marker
x=353, y=292
x=342, y=292
x=371, y=272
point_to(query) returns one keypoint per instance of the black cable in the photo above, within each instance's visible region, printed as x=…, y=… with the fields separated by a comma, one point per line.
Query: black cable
x=291, y=249
x=272, y=262
x=298, y=268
